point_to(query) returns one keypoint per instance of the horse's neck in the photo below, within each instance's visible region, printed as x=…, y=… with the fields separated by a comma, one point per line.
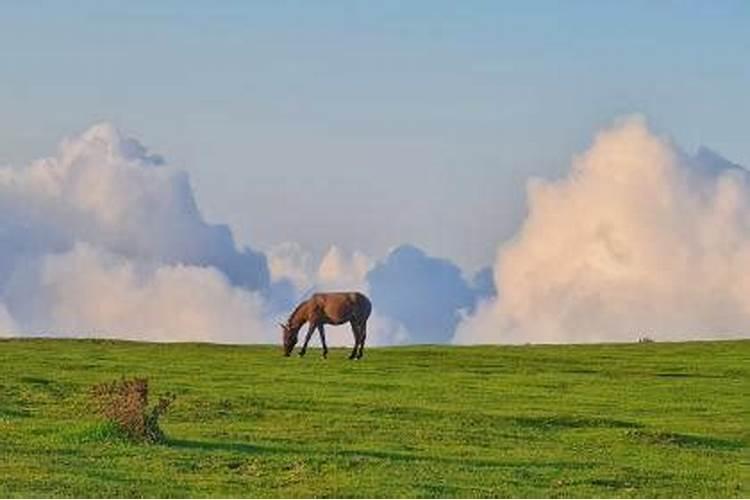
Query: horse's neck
x=299, y=316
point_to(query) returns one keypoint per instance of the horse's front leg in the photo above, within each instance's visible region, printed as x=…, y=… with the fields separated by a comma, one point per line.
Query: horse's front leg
x=323, y=340
x=310, y=331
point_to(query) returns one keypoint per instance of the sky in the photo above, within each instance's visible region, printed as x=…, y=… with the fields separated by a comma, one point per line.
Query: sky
x=371, y=124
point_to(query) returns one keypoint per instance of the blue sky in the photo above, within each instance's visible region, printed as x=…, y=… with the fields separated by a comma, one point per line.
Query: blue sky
x=370, y=124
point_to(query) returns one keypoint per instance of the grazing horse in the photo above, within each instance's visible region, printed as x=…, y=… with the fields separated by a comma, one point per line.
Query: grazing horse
x=328, y=309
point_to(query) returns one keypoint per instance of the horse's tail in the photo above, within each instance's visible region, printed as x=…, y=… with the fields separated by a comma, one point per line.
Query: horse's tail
x=365, y=306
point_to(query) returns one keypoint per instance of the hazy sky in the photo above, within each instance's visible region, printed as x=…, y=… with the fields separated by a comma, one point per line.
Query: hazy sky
x=370, y=124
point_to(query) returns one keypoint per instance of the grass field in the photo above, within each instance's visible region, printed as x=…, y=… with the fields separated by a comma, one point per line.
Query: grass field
x=640, y=420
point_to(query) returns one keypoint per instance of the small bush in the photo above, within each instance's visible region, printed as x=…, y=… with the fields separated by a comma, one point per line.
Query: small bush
x=125, y=403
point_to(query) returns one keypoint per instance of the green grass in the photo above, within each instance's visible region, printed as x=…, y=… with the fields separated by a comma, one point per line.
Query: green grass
x=640, y=420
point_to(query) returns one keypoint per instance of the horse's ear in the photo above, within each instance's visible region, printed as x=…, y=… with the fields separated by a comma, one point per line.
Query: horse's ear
x=283, y=326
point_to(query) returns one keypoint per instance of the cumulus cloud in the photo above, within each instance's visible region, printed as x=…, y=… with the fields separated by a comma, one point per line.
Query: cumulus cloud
x=105, y=238
x=290, y=261
x=639, y=239
x=7, y=325
x=383, y=330
x=105, y=189
x=424, y=294
x=483, y=284
x=339, y=270
x=88, y=292
x=295, y=274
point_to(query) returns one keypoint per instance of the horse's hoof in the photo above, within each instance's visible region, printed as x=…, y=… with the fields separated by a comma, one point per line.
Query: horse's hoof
x=301, y=354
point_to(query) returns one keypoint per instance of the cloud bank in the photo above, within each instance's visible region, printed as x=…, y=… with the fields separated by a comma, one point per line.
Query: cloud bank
x=639, y=239
x=89, y=292
x=105, y=239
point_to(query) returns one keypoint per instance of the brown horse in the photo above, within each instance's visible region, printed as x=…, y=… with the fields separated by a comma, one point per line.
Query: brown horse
x=328, y=309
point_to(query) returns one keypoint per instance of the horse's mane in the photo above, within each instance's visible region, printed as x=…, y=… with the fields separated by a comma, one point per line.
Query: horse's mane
x=296, y=310
x=299, y=306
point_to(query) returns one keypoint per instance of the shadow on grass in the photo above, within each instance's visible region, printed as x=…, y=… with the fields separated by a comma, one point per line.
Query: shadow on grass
x=563, y=422
x=257, y=449
x=220, y=446
x=47, y=386
x=14, y=413
x=551, y=422
x=613, y=483
x=684, y=440
x=686, y=375
x=36, y=380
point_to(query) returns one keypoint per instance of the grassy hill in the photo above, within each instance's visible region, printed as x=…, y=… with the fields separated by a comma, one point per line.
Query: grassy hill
x=640, y=420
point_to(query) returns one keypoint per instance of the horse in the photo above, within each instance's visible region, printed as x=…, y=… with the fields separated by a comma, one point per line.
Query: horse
x=328, y=309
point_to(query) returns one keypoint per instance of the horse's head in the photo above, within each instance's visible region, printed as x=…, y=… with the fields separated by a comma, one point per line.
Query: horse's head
x=289, y=338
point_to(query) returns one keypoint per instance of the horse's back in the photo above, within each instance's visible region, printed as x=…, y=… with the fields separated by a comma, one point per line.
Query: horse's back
x=340, y=306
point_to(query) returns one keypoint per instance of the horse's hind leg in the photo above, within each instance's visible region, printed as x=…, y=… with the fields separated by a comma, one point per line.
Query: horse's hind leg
x=353, y=355
x=355, y=331
x=323, y=341
x=362, y=337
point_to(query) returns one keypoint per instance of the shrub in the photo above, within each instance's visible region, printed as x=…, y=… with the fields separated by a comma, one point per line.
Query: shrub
x=125, y=403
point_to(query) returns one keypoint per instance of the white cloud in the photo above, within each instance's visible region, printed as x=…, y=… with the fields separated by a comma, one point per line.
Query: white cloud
x=382, y=330
x=337, y=270
x=106, y=239
x=290, y=261
x=638, y=239
x=8, y=326
x=105, y=189
x=87, y=292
